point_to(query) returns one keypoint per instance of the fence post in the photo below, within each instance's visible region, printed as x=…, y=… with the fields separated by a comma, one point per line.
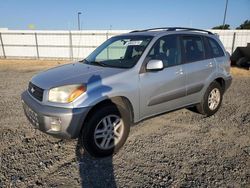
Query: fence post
x=1, y=39
x=107, y=37
x=37, y=51
x=70, y=47
x=233, y=43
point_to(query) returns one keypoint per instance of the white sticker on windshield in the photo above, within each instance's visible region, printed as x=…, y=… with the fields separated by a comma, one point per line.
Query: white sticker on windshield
x=133, y=43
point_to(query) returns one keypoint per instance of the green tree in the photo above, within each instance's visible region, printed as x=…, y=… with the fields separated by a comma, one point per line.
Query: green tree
x=244, y=25
x=226, y=26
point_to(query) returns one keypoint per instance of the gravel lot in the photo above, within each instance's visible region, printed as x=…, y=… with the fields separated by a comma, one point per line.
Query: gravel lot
x=177, y=149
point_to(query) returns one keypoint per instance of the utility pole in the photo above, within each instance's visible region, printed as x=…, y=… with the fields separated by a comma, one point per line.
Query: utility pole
x=79, y=23
x=225, y=14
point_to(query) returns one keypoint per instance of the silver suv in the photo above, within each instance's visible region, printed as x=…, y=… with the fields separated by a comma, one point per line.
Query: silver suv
x=128, y=78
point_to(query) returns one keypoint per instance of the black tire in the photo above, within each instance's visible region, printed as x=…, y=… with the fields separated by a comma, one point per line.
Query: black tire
x=203, y=107
x=88, y=131
x=242, y=62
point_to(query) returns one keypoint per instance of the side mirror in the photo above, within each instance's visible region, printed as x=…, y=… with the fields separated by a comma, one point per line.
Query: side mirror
x=154, y=65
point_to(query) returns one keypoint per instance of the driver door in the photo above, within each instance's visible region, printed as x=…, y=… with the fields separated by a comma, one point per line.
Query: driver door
x=163, y=90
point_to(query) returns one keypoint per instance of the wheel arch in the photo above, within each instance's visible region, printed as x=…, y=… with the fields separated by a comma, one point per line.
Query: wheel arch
x=221, y=81
x=120, y=101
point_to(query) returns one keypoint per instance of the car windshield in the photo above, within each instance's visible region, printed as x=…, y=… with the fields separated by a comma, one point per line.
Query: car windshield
x=119, y=52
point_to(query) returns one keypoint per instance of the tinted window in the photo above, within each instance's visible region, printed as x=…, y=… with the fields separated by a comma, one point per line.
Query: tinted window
x=216, y=50
x=167, y=50
x=193, y=48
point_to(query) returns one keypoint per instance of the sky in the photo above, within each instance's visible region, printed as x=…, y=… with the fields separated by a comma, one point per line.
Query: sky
x=115, y=14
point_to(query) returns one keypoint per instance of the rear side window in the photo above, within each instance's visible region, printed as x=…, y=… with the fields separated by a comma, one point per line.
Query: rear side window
x=215, y=48
x=193, y=48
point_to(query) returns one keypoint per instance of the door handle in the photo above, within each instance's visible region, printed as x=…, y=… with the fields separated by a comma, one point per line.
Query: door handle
x=179, y=72
x=210, y=64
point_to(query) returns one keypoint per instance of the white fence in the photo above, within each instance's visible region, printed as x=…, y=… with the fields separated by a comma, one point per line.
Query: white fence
x=78, y=44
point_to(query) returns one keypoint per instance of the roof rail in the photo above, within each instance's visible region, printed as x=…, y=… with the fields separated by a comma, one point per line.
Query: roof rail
x=151, y=29
x=173, y=29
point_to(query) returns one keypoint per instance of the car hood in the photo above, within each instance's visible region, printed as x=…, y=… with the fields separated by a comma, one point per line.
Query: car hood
x=75, y=73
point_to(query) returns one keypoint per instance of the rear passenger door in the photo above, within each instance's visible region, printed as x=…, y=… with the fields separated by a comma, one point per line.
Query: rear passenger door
x=198, y=66
x=216, y=52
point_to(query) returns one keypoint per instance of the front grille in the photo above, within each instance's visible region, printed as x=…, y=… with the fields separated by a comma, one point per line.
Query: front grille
x=36, y=91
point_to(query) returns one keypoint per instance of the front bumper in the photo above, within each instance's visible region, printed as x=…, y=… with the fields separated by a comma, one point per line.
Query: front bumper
x=69, y=121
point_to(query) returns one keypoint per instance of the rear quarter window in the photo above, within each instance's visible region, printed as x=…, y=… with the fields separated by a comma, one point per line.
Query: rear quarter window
x=215, y=49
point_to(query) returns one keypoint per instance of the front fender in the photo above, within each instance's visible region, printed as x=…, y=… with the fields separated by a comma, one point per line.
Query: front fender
x=103, y=92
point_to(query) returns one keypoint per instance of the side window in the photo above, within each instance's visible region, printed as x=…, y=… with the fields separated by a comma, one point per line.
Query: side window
x=167, y=50
x=215, y=48
x=193, y=48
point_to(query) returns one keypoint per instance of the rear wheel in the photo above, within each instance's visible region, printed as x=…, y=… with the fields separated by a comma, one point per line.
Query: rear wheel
x=211, y=101
x=106, y=131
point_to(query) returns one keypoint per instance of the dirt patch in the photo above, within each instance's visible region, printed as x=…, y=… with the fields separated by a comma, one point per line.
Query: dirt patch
x=28, y=65
x=235, y=71
x=179, y=149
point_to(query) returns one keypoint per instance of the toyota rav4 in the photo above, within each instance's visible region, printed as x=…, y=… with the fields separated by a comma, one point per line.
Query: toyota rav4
x=128, y=78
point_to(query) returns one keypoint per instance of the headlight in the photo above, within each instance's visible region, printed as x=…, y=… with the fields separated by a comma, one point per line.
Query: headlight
x=66, y=94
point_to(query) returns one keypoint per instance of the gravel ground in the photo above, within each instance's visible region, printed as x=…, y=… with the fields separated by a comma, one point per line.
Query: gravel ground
x=177, y=149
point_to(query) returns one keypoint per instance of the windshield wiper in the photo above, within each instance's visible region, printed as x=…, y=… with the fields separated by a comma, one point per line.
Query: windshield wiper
x=98, y=63
x=82, y=61
x=93, y=62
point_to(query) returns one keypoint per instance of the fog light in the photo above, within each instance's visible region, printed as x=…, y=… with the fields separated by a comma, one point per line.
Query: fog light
x=55, y=123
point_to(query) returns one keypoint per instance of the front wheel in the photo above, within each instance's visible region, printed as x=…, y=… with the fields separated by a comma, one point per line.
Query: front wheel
x=212, y=99
x=106, y=131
